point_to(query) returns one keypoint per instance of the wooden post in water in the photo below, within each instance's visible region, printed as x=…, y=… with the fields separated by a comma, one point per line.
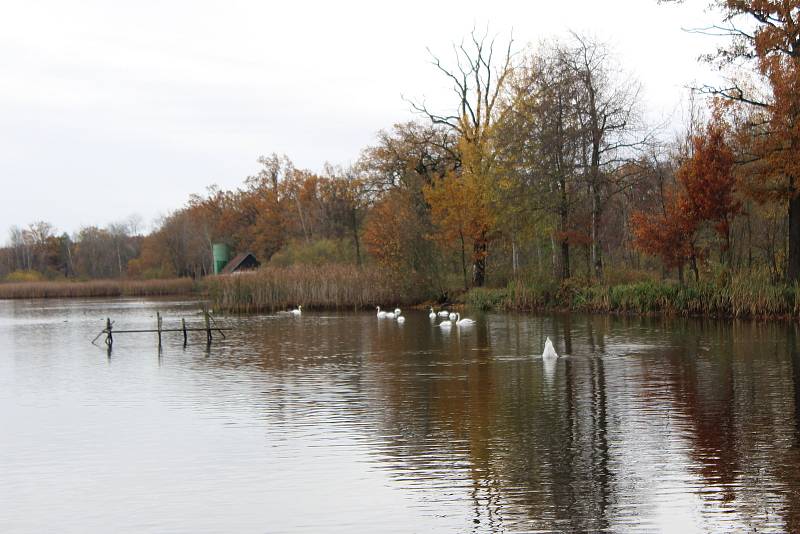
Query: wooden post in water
x=109, y=337
x=183, y=326
x=207, y=317
x=158, y=322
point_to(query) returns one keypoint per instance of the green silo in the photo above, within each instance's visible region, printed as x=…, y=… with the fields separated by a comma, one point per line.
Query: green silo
x=222, y=256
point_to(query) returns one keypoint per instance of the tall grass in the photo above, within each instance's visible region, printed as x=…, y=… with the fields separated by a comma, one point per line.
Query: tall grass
x=744, y=295
x=97, y=288
x=328, y=287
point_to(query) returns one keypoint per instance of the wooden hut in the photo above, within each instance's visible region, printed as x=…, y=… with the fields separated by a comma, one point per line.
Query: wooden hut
x=242, y=262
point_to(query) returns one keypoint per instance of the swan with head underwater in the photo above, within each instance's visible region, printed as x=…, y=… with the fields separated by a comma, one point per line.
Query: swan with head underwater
x=549, y=352
x=443, y=313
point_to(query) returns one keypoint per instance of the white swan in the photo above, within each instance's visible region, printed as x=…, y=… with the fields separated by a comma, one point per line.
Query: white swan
x=444, y=313
x=463, y=322
x=446, y=325
x=401, y=319
x=453, y=316
x=390, y=315
x=380, y=313
x=297, y=311
x=549, y=351
x=432, y=314
x=397, y=312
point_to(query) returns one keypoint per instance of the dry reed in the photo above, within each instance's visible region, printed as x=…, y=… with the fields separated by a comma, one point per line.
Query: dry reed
x=326, y=287
x=97, y=288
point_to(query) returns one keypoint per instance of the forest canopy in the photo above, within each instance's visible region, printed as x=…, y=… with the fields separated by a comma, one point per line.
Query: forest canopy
x=541, y=167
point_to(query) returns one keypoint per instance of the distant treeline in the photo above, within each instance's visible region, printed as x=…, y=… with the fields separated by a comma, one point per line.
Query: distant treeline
x=541, y=170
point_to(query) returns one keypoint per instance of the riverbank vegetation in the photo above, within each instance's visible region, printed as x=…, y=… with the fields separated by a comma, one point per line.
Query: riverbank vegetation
x=97, y=288
x=744, y=296
x=328, y=287
x=540, y=185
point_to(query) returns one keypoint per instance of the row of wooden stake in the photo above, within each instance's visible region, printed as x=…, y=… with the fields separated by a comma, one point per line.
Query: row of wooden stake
x=210, y=325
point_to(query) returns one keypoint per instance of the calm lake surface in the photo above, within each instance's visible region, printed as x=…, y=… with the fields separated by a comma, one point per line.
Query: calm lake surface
x=346, y=423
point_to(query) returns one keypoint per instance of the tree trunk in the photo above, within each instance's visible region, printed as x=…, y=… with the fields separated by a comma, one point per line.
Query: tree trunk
x=479, y=262
x=355, y=238
x=514, y=259
x=565, y=259
x=597, y=253
x=463, y=260
x=302, y=219
x=749, y=242
x=793, y=266
x=564, y=214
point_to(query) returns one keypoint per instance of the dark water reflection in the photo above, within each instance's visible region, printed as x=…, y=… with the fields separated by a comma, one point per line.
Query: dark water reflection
x=344, y=423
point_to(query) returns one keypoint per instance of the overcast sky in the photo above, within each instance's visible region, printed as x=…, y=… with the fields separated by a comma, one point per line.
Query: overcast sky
x=115, y=108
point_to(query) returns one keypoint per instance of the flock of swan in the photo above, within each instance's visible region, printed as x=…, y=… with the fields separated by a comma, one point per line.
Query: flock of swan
x=449, y=320
x=397, y=315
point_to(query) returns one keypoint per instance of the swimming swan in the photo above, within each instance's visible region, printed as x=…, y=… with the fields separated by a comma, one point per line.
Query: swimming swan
x=549, y=351
x=390, y=315
x=298, y=311
x=401, y=319
x=453, y=316
x=463, y=322
x=397, y=312
x=432, y=314
x=380, y=313
x=444, y=313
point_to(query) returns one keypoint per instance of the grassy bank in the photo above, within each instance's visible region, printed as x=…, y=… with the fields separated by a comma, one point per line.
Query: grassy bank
x=97, y=288
x=349, y=287
x=328, y=287
x=741, y=297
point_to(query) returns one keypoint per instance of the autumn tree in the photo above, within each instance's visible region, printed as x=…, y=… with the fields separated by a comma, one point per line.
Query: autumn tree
x=397, y=170
x=666, y=232
x=766, y=34
x=478, y=80
x=540, y=142
x=612, y=129
x=704, y=194
x=708, y=181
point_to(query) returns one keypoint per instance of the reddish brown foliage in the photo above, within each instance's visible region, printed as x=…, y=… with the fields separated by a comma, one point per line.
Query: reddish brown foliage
x=706, y=194
x=708, y=180
x=666, y=233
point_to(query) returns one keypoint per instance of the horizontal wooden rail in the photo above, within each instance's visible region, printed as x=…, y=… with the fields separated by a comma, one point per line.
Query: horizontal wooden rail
x=109, y=330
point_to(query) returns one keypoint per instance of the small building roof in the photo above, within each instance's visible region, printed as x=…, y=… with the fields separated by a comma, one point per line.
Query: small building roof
x=245, y=260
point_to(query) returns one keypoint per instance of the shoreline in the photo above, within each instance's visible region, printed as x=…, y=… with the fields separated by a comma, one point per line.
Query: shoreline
x=353, y=290
x=65, y=289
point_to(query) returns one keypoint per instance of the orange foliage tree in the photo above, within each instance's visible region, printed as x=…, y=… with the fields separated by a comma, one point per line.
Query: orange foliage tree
x=767, y=32
x=666, y=233
x=706, y=194
x=708, y=181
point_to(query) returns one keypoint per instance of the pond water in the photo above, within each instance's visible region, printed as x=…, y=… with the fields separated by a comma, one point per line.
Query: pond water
x=335, y=422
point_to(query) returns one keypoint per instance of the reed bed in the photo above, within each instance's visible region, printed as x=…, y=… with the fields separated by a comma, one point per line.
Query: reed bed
x=743, y=296
x=97, y=288
x=328, y=287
